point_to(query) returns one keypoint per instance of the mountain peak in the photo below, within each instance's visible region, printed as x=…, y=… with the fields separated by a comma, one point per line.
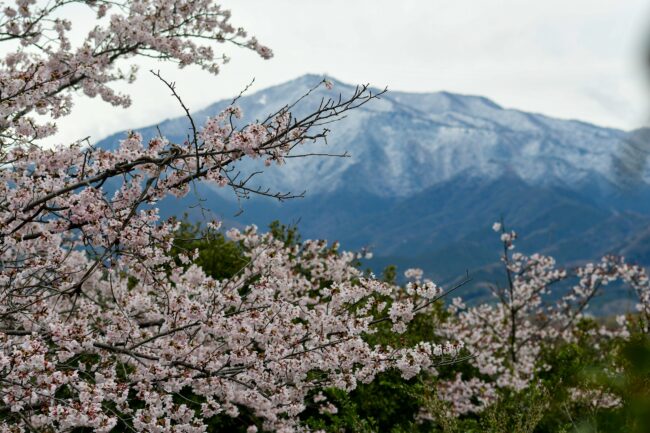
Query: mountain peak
x=407, y=142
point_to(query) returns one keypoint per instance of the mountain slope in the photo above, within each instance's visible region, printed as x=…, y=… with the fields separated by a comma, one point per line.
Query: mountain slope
x=429, y=173
x=404, y=143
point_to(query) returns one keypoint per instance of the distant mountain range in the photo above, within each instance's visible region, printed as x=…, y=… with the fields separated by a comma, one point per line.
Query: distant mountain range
x=430, y=172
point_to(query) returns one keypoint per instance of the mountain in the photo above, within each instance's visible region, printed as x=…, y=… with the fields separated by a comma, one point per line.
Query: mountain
x=430, y=172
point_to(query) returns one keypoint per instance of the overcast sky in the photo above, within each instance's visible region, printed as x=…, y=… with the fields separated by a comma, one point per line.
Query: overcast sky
x=566, y=58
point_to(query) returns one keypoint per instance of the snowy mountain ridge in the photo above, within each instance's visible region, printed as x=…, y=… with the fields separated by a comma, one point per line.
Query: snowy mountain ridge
x=405, y=143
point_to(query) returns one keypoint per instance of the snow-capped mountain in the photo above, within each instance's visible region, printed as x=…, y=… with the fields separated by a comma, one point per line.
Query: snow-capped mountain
x=407, y=142
x=428, y=173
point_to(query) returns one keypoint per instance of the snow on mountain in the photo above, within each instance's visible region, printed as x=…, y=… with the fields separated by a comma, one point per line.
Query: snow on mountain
x=430, y=172
x=408, y=142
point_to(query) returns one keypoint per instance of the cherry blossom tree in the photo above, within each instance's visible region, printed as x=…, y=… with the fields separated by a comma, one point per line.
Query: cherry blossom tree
x=539, y=306
x=100, y=327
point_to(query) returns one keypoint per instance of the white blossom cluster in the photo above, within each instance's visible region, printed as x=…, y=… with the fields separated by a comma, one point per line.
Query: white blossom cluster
x=101, y=326
x=505, y=337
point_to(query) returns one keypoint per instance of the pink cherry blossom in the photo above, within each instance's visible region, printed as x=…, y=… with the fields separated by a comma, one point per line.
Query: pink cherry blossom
x=99, y=324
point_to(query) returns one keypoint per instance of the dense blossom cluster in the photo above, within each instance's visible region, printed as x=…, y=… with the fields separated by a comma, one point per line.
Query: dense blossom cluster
x=506, y=337
x=290, y=322
x=101, y=326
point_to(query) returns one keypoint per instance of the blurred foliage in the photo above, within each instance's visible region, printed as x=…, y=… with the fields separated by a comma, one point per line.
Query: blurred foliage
x=287, y=234
x=217, y=256
x=389, y=274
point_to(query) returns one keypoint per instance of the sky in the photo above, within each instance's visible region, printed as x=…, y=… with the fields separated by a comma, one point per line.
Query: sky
x=578, y=59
